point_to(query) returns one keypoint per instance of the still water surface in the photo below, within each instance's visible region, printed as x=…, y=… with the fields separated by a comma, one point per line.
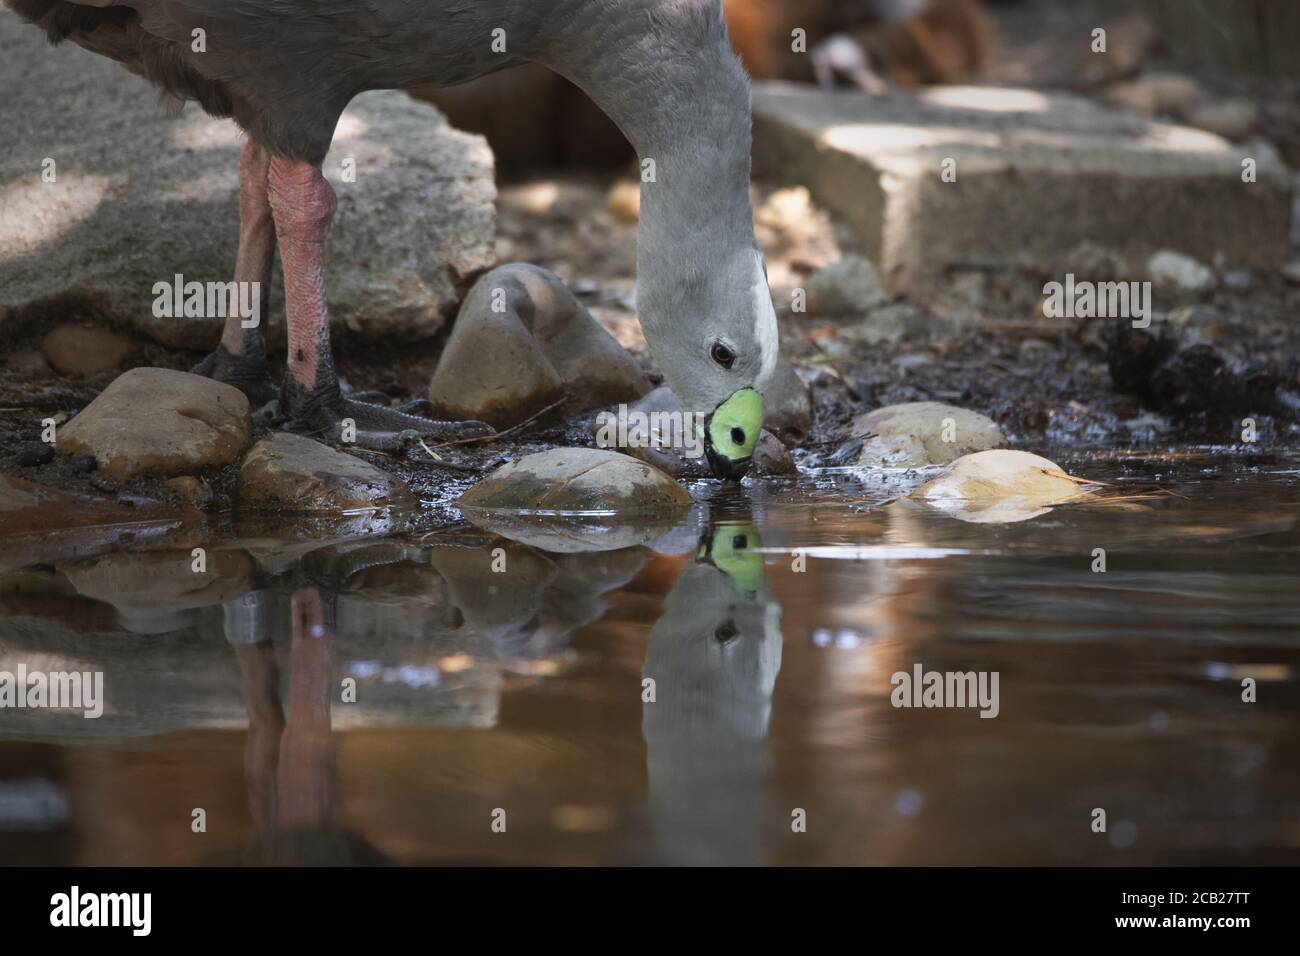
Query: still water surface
x=501, y=717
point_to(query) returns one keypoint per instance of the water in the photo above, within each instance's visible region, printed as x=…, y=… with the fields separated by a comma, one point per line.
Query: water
x=499, y=717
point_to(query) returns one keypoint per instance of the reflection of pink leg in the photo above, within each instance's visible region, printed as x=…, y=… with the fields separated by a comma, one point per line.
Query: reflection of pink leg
x=308, y=778
x=240, y=359
x=265, y=724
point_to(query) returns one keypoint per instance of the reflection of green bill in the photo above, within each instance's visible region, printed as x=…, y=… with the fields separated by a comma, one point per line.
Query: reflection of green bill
x=733, y=550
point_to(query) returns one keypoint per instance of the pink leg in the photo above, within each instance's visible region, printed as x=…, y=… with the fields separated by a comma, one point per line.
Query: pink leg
x=302, y=205
x=240, y=359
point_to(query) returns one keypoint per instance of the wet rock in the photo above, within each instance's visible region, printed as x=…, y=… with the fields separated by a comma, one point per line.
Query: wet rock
x=771, y=457
x=577, y=480
x=33, y=453
x=523, y=342
x=85, y=350
x=1173, y=270
x=160, y=422
x=416, y=223
x=849, y=287
x=917, y=434
x=1000, y=486
x=287, y=472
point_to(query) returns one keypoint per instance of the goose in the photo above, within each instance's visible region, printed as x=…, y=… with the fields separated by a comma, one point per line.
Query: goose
x=284, y=70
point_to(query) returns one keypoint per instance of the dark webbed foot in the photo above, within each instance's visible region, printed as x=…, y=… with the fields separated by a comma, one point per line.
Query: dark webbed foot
x=328, y=416
x=248, y=373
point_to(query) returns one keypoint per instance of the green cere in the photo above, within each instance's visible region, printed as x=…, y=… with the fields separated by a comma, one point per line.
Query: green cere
x=733, y=431
x=733, y=551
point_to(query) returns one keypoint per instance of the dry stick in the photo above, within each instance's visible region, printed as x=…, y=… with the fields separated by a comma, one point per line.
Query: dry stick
x=495, y=435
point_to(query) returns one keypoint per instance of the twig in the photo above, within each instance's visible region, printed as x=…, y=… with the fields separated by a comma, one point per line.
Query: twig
x=495, y=435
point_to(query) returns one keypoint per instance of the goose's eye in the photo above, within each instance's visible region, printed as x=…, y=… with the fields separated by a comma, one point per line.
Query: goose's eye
x=722, y=355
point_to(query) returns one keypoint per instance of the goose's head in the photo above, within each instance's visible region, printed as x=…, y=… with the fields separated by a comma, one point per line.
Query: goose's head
x=714, y=337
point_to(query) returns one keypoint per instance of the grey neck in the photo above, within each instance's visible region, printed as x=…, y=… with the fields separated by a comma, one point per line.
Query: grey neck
x=664, y=71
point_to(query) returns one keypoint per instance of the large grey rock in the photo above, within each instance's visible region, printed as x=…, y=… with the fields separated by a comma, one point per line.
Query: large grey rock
x=1035, y=175
x=523, y=342
x=288, y=472
x=156, y=421
x=141, y=195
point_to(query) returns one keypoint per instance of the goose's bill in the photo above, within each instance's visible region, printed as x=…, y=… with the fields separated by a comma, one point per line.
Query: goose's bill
x=731, y=432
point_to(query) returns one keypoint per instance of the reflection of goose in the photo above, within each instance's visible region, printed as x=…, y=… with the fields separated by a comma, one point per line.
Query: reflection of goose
x=714, y=655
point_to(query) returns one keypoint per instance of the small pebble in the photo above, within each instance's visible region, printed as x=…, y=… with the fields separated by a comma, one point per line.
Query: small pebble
x=80, y=464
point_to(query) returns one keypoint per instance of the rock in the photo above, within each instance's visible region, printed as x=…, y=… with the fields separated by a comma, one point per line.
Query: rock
x=918, y=434
x=1154, y=93
x=85, y=350
x=560, y=502
x=1001, y=486
x=287, y=472
x=1173, y=270
x=28, y=363
x=771, y=457
x=624, y=202
x=849, y=287
x=142, y=195
x=569, y=500
x=877, y=162
x=157, y=421
x=1234, y=120
x=500, y=367
x=577, y=480
x=787, y=406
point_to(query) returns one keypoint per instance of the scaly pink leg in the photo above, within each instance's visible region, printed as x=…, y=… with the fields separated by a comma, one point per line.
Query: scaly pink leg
x=240, y=358
x=302, y=205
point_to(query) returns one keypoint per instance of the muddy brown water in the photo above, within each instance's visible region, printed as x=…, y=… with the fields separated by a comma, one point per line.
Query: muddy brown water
x=357, y=696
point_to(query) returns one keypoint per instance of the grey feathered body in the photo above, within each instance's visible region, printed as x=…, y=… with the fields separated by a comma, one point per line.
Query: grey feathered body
x=285, y=69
